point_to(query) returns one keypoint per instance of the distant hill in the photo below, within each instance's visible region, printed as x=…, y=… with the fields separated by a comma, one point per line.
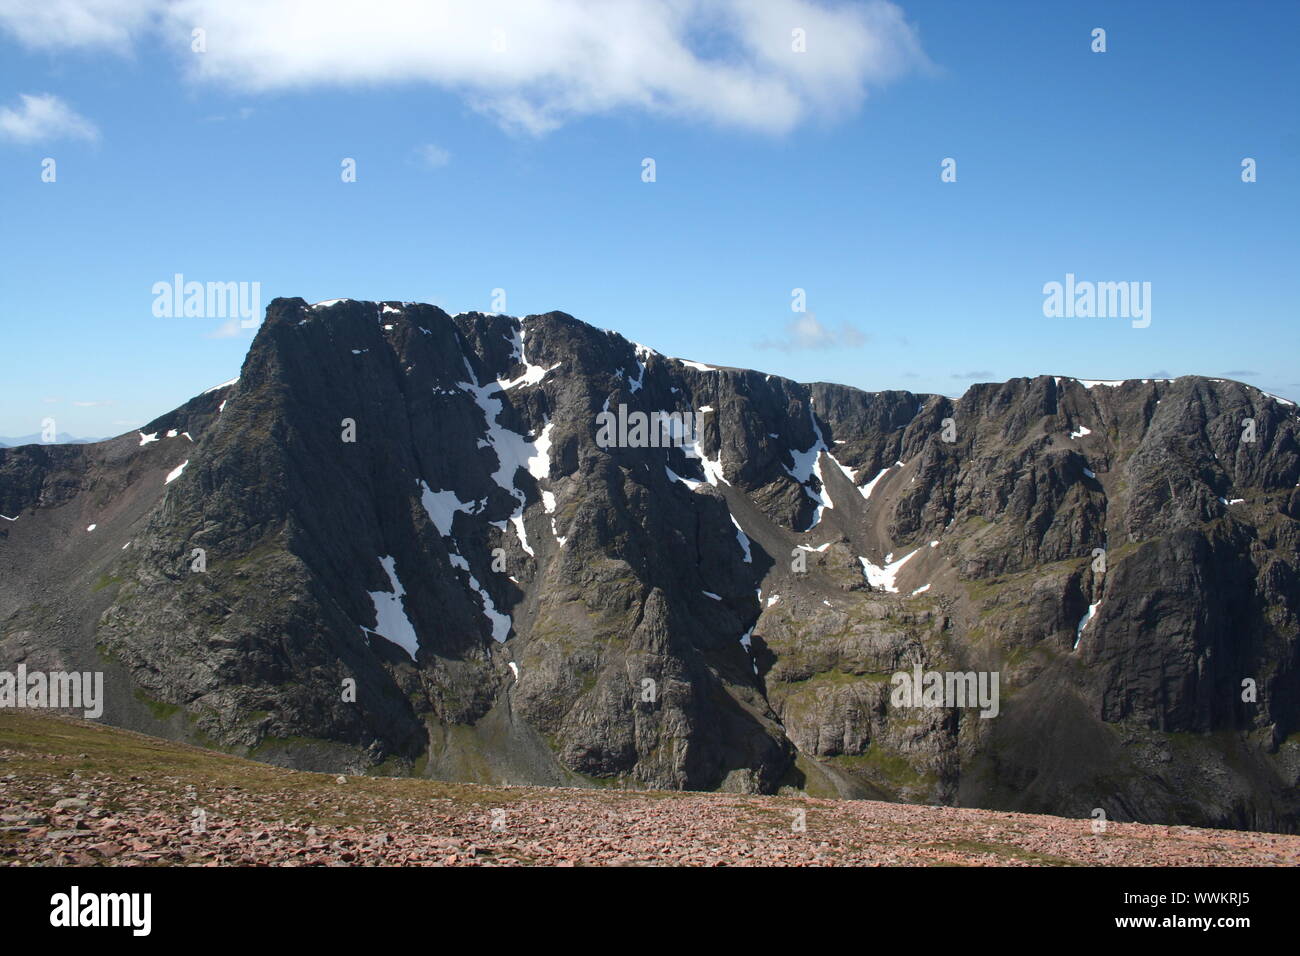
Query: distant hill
x=62, y=438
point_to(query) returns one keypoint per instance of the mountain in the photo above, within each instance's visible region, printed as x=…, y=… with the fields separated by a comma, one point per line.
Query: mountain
x=474, y=588
x=62, y=438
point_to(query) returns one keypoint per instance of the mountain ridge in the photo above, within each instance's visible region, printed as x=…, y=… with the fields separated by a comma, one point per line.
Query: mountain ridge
x=629, y=564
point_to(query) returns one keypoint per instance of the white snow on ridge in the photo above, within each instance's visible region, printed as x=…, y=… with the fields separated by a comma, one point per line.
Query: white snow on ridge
x=748, y=646
x=327, y=303
x=217, y=388
x=532, y=373
x=1080, y=431
x=1083, y=623
x=91, y=527
x=1109, y=383
x=697, y=365
x=921, y=590
x=539, y=463
x=391, y=621
x=743, y=539
x=517, y=519
x=850, y=473
x=884, y=576
x=146, y=439
x=513, y=450
x=441, y=507
x=1234, y=501
x=688, y=482
x=643, y=354
x=870, y=486
x=500, y=623
x=176, y=472
x=808, y=463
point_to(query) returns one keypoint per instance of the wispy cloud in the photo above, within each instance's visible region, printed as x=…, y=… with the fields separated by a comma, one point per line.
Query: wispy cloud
x=226, y=330
x=1239, y=372
x=971, y=376
x=806, y=331
x=98, y=404
x=434, y=157
x=532, y=66
x=239, y=115
x=43, y=117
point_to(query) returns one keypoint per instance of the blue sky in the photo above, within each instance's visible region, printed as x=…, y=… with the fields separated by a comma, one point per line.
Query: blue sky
x=518, y=173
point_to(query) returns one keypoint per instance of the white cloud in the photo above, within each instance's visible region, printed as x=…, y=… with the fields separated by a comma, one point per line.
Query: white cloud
x=42, y=117
x=530, y=64
x=806, y=331
x=433, y=156
x=51, y=24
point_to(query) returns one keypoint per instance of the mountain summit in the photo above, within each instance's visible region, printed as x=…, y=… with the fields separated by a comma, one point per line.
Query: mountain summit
x=528, y=550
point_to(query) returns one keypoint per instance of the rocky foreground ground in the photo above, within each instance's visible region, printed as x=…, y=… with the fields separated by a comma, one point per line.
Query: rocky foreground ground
x=79, y=794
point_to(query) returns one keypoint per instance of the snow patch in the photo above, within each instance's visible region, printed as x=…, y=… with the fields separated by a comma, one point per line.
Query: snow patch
x=176, y=472
x=391, y=621
x=870, y=486
x=441, y=507
x=883, y=577
x=217, y=388
x=806, y=465
x=1083, y=622
x=688, y=482
x=1080, y=431
x=743, y=540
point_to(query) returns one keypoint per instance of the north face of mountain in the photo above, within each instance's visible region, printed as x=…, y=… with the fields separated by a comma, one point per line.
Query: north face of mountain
x=395, y=544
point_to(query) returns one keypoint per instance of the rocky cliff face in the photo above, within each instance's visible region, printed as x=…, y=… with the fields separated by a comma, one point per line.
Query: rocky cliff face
x=397, y=545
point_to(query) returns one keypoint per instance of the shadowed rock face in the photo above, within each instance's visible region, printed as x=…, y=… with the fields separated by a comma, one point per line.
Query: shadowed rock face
x=574, y=614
